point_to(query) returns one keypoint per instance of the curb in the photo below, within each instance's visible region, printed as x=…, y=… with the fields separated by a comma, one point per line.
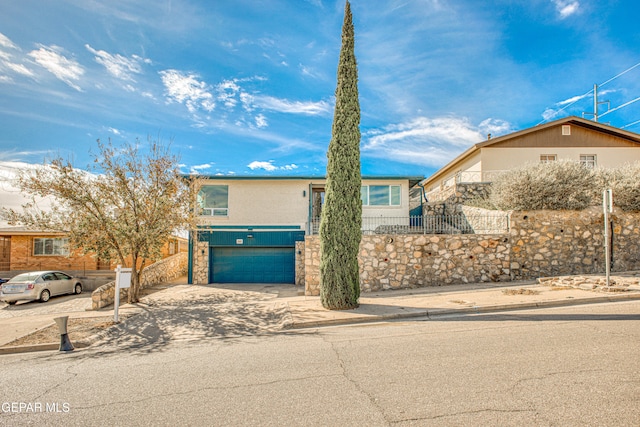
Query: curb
x=434, y=313
x=39, y=347
x=80, y=344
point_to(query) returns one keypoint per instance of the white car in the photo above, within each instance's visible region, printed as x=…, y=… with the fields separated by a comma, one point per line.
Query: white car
x=38, y=285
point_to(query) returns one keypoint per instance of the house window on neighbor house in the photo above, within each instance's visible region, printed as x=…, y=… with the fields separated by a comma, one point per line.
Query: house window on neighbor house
x=380, y=195
x=214, y=200
x=546, y=158
x=51, y=246
x=588, y=160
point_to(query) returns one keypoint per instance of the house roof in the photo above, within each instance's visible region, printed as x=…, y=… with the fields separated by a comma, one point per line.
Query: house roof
x=573, y=120
x=413, y=180
x=24, y=231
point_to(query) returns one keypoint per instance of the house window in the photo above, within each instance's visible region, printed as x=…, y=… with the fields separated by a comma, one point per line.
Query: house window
x=51, y=246
x=546, y=158
x=380, y=195
x=214, y=200
x=566, y=130
x=588, y=160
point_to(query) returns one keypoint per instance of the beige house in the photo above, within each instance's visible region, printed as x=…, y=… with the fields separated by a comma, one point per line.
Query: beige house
x=248, y=226
x=591, y=143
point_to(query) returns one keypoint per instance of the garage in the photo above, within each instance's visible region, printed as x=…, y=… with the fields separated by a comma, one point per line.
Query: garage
x=252, y=265
x=252, y=256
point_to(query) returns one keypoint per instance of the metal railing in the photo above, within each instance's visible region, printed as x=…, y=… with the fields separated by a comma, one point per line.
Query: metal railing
x=432, y=224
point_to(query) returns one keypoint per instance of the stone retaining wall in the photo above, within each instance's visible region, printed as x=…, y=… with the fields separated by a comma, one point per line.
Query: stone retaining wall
x=162, y=271
x=539, y=244
x=454, y=201
x=406, y=261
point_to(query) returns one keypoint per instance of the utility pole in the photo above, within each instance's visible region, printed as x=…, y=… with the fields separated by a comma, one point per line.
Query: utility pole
x=595, y=113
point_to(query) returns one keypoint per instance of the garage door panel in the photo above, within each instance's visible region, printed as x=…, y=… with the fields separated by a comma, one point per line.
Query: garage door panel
x=252, y=265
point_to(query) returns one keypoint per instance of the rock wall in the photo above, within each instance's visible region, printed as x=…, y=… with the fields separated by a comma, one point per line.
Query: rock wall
x=405, y=261
x=539, y=244
x=300, y=264
x=162, y=271
x=455, y=198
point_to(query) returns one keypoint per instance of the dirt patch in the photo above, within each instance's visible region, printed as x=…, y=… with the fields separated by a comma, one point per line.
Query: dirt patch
x=520, y=292
x=78, y=330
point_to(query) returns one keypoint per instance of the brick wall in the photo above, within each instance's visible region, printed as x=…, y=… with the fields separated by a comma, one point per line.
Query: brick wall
x=22, y=257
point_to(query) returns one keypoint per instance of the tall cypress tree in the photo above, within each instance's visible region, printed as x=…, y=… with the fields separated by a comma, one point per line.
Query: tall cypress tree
x=341, y=220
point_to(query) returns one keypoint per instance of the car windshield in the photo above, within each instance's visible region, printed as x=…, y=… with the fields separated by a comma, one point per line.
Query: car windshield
x=24, y=277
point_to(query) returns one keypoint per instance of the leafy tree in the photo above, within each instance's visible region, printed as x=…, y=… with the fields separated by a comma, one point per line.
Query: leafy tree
x=341, y=218
x=126, y=210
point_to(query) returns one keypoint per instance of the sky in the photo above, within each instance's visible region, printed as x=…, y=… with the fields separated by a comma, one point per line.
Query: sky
x=246, y=87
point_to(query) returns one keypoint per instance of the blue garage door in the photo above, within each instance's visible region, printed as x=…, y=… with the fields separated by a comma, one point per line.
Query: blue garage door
x=252, y=265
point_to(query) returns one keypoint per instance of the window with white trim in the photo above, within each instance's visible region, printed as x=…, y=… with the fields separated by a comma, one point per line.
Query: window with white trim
x=546, y=158
x=214, y=200
x=588, y=160
x=51, y=246
x=380, y=195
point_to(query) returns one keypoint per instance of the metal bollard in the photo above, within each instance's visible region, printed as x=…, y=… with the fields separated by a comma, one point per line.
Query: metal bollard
x=65, y=343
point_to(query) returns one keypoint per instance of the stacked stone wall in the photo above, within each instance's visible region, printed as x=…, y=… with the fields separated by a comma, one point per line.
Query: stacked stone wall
x=300, y=264
x=539, y=244
x=162, y=271
x=461, y=193
x=406, y=261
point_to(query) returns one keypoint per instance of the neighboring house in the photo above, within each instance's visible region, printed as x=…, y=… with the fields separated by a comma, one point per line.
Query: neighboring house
x=22, y=249
x=248, y=226
x=591, y=143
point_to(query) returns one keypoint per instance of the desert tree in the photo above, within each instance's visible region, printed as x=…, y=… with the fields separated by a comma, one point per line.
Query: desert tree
x=341, y=217
x=558, y=185
x=123, y=207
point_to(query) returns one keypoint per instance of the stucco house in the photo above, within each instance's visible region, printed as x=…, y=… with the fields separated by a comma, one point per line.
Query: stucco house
x=591, y=143
x=248, y=226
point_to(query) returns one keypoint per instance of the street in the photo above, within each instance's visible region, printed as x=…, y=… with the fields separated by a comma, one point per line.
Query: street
x=565, y=366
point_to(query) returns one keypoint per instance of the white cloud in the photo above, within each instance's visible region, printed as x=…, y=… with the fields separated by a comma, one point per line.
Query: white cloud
x=193, y=170
x=19, y=68
x=188, y=90
x=117, y=65
x=51, y=58
x=270, y=167
x=294, y=107
x=261, y=121
x=6, y=42
x=226, y=93
x=10, y=194
x=429, y=142
x=566, y=8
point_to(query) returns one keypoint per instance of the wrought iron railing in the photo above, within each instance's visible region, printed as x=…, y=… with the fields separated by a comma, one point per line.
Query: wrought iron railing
x=432, y=224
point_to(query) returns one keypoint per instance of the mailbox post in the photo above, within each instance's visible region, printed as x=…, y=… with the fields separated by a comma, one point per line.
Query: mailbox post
x=123, y=280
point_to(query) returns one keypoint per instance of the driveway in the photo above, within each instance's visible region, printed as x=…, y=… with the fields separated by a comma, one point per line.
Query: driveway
x=180, y=313
x=56, y=305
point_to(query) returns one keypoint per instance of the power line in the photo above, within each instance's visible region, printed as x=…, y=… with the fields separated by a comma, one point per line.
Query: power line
x=594, y=91
x=624, y=72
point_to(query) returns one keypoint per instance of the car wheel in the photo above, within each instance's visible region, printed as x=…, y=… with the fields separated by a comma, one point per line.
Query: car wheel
x=12, y=302
x=78, y=289
x=45, y=295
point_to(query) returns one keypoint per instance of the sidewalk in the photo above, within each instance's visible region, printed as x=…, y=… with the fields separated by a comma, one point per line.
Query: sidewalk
x=189, y=312
x=451, y=300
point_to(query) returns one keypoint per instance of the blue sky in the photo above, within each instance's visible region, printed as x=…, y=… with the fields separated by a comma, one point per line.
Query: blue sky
x=246, y=87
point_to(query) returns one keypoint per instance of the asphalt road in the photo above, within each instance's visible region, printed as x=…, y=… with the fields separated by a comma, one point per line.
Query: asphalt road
x=548, y=367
